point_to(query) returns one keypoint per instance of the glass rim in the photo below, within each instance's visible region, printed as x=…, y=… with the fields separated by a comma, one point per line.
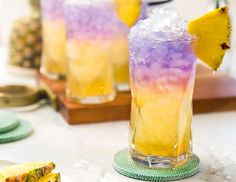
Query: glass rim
x=159, y=2
x=192, y=39
x=87, y=2
x=179, y=41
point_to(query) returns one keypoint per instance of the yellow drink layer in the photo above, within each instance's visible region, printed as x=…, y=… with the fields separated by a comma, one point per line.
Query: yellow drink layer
x=91, y=72
x=120, y=59
x=54, y=55
x=161, y=123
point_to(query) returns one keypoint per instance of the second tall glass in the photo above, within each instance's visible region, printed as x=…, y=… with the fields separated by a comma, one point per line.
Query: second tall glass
x=54, y=39
x=90, y=27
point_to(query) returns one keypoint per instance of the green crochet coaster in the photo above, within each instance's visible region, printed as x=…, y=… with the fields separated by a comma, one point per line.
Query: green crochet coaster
x=8, y=121
x=124, y=165
x=23, y=130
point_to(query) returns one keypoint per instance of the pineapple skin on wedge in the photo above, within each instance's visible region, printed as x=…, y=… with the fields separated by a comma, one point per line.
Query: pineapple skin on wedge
x=29, y=172
x=51, y=178
x=212, y=33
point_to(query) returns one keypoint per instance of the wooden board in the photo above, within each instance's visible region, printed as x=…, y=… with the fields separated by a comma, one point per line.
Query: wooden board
x=213, y=93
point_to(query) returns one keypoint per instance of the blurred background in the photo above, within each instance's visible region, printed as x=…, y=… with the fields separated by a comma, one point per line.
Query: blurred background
x=13, y=9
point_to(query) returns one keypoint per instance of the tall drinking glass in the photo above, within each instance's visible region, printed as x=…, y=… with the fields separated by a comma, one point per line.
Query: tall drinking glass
x=120, y=58
x=162, y=73
x=90, y=27
x=54, y=39
x=128, y=12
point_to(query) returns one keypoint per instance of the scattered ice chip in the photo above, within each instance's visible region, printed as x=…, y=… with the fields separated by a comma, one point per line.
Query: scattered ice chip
x=110, y=178
x=65, y=179
x=228, y=177
x=204, y=177
x=83, y=164
x=217, y=166
x=96, y=169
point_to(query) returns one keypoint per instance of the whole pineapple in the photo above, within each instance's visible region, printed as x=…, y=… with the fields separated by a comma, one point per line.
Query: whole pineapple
x=26, y=39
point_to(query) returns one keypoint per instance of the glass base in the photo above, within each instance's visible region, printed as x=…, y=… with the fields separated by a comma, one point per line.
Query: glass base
x=159, y=161
x=92, y=100
x=123, y=87
x=124, y=165
x=52, y=76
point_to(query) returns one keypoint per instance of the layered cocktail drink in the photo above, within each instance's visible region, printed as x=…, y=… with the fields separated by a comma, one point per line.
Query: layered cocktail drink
x=90, y=26
x=162, y=73
x=54, y=39
x=128, y=12
x=120, y=58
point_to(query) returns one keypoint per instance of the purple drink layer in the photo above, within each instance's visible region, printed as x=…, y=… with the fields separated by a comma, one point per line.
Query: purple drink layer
x=163, y=67
x=92, y=20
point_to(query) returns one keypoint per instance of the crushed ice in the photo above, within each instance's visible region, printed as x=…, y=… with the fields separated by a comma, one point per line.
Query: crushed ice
x=163, y=25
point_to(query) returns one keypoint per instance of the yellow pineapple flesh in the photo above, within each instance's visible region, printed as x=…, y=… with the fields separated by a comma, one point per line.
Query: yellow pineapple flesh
x=128, y=11
x=212, y=33
x=51, y=178
x=29, y=172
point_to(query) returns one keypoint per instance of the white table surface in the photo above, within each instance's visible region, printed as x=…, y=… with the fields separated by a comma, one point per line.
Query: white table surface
x=84, y=153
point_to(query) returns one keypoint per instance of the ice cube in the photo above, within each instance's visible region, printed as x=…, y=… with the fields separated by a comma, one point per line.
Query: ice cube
x=175, y=55
x=162, y=81
x=181, y=63
x=155, y=68
x=173, y=78
x=171, y=87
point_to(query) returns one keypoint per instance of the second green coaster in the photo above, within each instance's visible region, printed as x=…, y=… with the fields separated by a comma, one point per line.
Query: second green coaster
x=23, y=130
x=8, y=121
x=124, y=165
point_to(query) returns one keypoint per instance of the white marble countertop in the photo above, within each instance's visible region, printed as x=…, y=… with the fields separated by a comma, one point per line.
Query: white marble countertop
x=84, y=153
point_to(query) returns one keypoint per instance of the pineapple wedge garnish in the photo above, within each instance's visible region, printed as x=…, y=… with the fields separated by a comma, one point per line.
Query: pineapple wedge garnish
x=29, y=172
x=51, y=178
x=128, y=10
x=212, y=33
